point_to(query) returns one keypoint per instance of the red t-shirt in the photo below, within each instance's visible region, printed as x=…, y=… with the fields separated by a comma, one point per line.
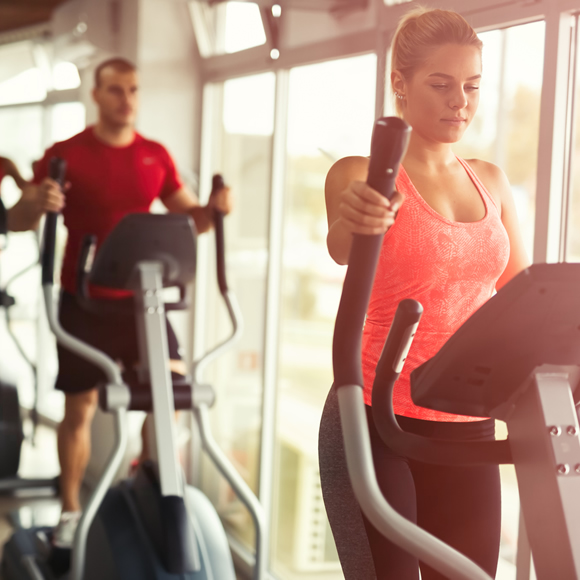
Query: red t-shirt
x=106, y=184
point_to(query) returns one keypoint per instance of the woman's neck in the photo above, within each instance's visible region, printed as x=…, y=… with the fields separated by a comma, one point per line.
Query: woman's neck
x=430, y=157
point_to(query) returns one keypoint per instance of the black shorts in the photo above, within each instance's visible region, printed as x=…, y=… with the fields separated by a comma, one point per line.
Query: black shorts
x=114, y=335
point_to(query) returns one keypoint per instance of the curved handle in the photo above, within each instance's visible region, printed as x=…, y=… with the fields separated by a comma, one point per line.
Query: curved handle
x=56, y=171
x=389, y=143
x=440, y=451
x=218, y=222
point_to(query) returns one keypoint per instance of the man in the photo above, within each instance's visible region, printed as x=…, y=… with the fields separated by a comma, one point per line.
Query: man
x=111, y=171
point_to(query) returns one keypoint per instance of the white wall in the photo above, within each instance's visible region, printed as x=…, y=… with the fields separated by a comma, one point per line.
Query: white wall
x=170, y=87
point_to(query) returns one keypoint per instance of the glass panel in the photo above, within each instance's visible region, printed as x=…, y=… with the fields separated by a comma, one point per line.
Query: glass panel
x=505, y=129
x=331, y=113
x=26, y=87
x=67, y=119
x=226, y=27
x=573, y=241
x=243, y=26
x=243, y=149
x=65, y=75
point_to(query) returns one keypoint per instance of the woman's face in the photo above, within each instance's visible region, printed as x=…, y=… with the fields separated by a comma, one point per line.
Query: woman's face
x=441, y=97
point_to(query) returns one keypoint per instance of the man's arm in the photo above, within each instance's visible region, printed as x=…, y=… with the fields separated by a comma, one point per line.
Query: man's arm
x=35, y=201
x=186, y=202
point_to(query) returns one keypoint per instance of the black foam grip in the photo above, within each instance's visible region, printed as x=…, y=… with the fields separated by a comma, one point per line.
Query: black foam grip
x=388, y=145
x=408, y=313
x=389, y=142
x=3, y=219
x=218, y=222
x=56, y=171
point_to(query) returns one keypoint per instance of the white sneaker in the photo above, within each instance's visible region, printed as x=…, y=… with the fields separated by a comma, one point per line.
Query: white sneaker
x=64, y=532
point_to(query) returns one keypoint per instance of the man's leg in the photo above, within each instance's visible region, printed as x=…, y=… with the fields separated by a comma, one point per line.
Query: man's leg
x=74, y=445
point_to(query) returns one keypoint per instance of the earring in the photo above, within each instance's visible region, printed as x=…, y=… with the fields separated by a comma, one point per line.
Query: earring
x=400, y=97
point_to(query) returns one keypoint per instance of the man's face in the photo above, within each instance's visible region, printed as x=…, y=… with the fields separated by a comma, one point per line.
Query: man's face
x=117, y=97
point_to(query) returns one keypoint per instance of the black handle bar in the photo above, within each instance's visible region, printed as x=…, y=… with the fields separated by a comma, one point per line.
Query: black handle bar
x=389, y=143
x=57, y=172
x=218, y=222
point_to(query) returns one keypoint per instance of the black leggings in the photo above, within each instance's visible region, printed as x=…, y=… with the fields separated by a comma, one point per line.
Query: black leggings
x=459, y=505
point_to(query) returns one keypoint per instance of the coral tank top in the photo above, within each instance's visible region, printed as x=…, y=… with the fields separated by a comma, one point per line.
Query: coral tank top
x=450, y=267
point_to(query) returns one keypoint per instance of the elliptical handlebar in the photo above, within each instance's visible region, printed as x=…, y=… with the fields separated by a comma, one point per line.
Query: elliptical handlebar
x=56, y=172
x=210, y=445
x=228, y=297
x=389, y=142
x=218, y=224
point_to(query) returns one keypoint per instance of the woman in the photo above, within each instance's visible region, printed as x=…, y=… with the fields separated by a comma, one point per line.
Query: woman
x=451, y=238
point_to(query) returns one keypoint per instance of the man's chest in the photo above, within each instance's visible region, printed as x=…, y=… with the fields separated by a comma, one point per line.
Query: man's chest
x=113, y=179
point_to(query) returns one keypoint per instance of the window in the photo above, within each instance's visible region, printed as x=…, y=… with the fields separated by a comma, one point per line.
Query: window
x=243, y=138
x=226, y=27
x=331, y=114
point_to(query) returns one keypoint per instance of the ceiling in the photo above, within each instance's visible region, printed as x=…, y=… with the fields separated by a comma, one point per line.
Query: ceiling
x=16, y=14
x=20, y=13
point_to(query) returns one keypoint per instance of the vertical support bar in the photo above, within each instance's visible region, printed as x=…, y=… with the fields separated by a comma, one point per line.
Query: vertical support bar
x=544, y=435
x=383, y=41
x=154, y=355
x=210, y=133
x=273, y=283
x=570, y=138
x=500, y=141
x=551, y=155
x=524, y=555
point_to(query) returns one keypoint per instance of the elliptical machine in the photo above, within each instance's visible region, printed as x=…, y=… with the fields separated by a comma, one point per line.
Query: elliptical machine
x=516, y=359
x=153, y=526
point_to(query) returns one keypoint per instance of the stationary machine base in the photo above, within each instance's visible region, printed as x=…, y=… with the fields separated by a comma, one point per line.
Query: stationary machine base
x=121, y=548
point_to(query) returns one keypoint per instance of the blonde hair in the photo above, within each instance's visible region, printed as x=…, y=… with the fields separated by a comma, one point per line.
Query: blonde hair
x=422, y=29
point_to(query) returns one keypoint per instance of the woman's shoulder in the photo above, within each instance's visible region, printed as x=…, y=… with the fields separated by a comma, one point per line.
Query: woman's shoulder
x=492, y=177
x=353, y=164
x=347, y=169
x=487, y=172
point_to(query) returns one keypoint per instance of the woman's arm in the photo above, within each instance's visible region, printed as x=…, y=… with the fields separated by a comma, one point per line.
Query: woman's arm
x=496, y=181
x=353, y=207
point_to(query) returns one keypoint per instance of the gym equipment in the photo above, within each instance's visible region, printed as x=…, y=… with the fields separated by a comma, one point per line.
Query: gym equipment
x=11, y=429
x=152, y=526
x=516, y=359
